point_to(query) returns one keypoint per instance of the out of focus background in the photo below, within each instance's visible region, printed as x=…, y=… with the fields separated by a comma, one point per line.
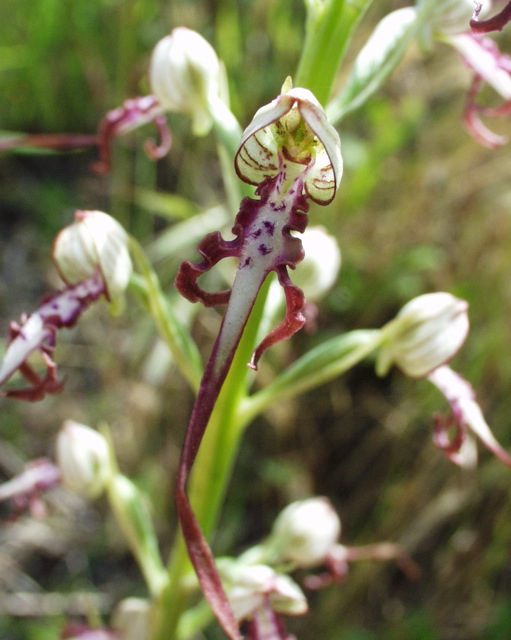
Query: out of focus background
x=422, y=207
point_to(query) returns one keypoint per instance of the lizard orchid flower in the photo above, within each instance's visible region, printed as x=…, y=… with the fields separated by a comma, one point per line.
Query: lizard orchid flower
x=491, y=67
x=184, y=76
x=259, y=597
x=466, y=416
x=482, y=56
x=425, y=335
x=293, y=155
x=305, y=536
x=26, y=490
x=92, y=258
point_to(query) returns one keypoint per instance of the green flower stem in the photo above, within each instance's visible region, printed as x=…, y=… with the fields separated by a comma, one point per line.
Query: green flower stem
x=134, y=520
x=211, y=474
x=178, y=340
x=317, y=367
x=330, y=24
x=194, y=620
x=228, y=133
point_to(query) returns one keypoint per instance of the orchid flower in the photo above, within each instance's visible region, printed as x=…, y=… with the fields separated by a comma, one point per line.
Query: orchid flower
x=424, y=336
x=25, y=490
x=92, y=258
x=481, y=55
x=292, y=154
x=305, y=536
x=466, y=416
x=491, y=67
x=134, y=113
x=184, y=76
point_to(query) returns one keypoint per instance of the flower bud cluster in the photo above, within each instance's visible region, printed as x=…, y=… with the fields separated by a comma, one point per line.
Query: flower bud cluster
x=303, y=536
x=250, y=586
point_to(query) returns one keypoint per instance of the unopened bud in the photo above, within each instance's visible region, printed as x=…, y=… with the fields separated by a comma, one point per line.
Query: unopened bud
x=320, y=267
x=248, y=587
x=305, y=532
x=426, y=333
x=83, y=458
x=132, y=618
x=95, y=241
x=185, y=76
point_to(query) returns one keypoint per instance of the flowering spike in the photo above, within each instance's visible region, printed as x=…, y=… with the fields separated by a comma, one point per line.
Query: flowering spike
x=292, y=154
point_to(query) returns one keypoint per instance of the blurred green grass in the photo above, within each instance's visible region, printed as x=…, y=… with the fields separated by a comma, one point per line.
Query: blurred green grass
x=421, y=208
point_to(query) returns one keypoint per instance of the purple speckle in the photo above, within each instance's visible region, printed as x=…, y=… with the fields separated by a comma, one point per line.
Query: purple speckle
x=269, y=226
x=264, y=250
x=246, y=262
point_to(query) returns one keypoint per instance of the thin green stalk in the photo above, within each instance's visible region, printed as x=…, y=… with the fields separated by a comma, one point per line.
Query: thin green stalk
x=330, y=24
x=125, y=56
x=319, y=366
x=180, y=343
x=211, y=474
x=228, y=133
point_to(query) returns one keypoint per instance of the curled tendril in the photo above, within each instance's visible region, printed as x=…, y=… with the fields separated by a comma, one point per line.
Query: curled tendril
x=134, y=113
x=495, y=23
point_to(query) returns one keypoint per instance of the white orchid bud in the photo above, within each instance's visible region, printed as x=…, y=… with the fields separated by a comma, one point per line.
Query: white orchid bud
x=185, y=76
x=426, y=333
x=319, y=270
x=248, y=587
x=95, y=241
x=305, y=532
x=132, y=619
x=83, y=458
